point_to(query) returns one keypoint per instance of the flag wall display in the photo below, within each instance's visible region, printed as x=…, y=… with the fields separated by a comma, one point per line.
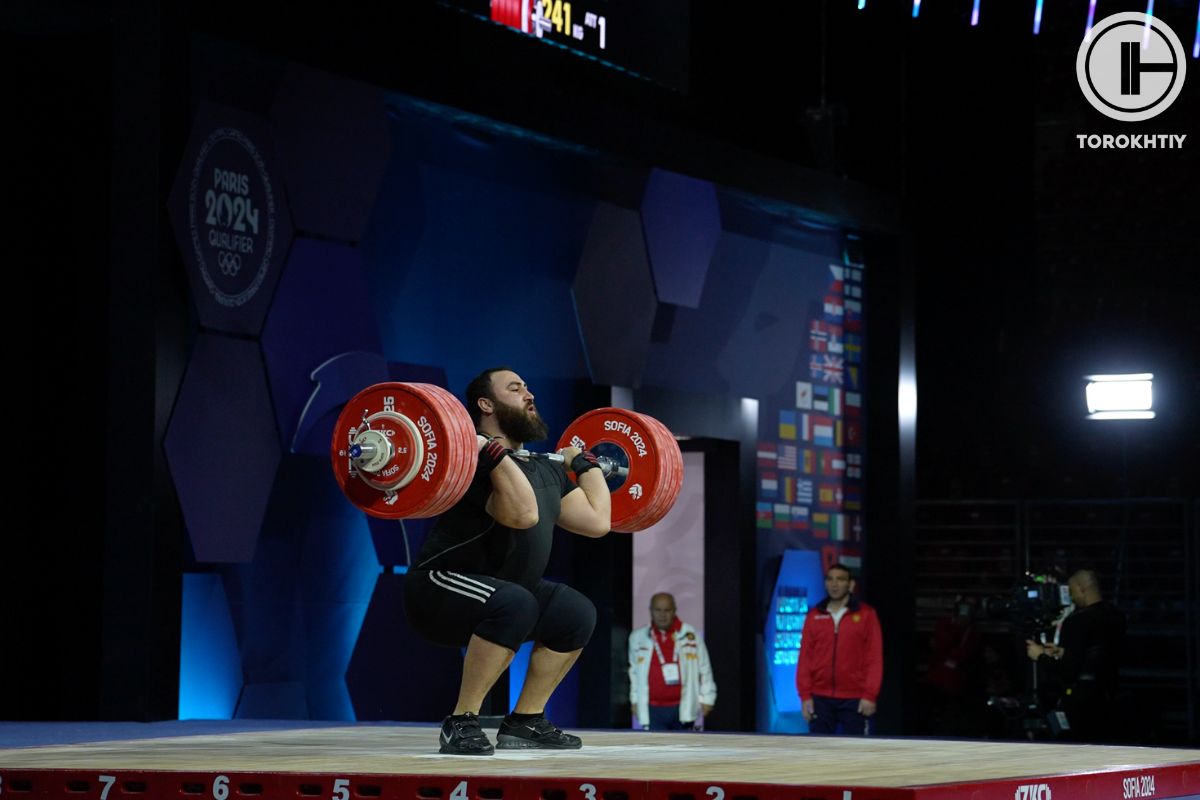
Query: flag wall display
x=809, y=454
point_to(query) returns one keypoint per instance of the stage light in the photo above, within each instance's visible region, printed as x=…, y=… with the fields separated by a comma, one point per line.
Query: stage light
x=1087, y=34
x=1037, y=18
x=1146, y=27
x=1120, y=396
x=975, y=14
x=1196, y=41
x=916, y=8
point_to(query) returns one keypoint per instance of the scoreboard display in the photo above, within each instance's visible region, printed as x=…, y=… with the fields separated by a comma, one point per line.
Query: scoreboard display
x=646, y=38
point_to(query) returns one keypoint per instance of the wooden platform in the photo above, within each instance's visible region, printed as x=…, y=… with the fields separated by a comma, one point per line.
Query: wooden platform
x=340, y=763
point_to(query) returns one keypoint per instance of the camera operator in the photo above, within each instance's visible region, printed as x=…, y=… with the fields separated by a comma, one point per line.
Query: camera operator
x=1086, y=662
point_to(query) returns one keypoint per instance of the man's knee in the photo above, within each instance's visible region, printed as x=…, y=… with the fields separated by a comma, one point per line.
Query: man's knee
x=509, y=616
x=567, y=621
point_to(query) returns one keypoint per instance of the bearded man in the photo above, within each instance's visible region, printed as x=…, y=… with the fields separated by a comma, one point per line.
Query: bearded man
x=477, y=582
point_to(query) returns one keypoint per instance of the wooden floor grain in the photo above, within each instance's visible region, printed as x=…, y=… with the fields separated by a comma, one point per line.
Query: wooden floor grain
x=808, y=760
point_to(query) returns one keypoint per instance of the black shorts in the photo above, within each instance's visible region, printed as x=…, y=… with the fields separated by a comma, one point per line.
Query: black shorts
x=448, y=607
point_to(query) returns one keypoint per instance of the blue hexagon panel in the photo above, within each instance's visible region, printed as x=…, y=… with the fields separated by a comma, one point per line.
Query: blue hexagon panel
x=222, y=447
x=321, y=311
x=231, y=218
x=210, y=667
x=682, y=219
x=614, y=297
x=334, y=146
x=298, y=605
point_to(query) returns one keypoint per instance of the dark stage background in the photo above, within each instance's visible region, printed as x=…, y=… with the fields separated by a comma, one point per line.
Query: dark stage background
x=1001, y=262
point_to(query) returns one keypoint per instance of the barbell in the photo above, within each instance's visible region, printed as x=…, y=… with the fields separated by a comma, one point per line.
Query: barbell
x=409, y=450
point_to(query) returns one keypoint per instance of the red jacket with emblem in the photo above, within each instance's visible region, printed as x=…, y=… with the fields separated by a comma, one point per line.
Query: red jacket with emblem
x=845, y=662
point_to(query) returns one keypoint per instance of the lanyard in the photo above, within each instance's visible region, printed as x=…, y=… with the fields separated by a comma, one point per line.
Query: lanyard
x=661, y=658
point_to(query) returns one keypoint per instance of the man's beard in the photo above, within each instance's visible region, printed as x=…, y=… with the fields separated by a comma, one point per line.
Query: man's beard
x=519, y=425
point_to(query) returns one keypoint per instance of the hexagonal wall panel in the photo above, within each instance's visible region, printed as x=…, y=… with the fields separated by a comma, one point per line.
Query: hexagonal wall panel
x=321, y=310
x=222, y=448
x=614, y=297
x=334, y=146
x=759, y=358
x=683, y=222
x=231, y=219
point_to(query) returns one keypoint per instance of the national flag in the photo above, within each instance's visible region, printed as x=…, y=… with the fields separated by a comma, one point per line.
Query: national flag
x=787, y=424
x=853, y=404
x=829, y=494
x=821, y=399
x=822, y=431
x=820, y=523
x=854, y=465
x=804, y=492
x=856, y=528
x=767, y=456
x=809, y=461
x=783, y=516
x=837, y=433
x=804, y=394
x=834, y=307
x=853, y=282
x=853, y=376
x=800, y=520
x=769, y=485
x=838, y=272
x=854, y=346
x=852, y=315
x=824, y=337
x=787, y=457
x=789, y=489
x=853, y=434
x=832, y=463
x=805, y=427
x=827, y=399
x=825, y=367
x=762, y=515
x=853, y=498
x=837, y=527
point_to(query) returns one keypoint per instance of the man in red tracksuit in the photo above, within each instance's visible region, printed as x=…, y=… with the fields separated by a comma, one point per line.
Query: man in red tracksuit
x=841, y=659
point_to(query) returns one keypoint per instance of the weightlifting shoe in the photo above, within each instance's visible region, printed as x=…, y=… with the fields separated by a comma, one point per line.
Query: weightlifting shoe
x=537, y=732
x=461, y=735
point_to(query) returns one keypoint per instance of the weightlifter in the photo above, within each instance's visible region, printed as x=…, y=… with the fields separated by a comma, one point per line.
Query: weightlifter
x=477, y=582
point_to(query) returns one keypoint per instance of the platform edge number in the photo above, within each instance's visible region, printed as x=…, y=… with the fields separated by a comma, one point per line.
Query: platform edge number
x=460, y=792
x=589, y=791
x=341, y=789
x=221, y=787
x=715, y=792
x=108, y=781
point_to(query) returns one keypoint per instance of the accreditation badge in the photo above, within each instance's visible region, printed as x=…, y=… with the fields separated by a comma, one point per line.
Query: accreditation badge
x=670, y=674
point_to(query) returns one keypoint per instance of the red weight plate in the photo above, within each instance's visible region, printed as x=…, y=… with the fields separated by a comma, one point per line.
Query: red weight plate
x=436, y=430
x=667, y=491
x=460, y=452
x=653, y=509
x=628, y=432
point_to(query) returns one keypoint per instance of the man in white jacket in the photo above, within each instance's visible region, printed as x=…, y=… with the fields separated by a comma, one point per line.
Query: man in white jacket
x=670, y=677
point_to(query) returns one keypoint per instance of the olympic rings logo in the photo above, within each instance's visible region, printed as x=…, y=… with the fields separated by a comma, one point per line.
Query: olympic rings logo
x=230, y=263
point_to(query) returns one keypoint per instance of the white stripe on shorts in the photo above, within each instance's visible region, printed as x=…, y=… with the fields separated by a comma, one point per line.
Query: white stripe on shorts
x=441, y=580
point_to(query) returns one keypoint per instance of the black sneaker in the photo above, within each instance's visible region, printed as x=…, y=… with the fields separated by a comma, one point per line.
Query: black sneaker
x=461, y=735
x=539, y=732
